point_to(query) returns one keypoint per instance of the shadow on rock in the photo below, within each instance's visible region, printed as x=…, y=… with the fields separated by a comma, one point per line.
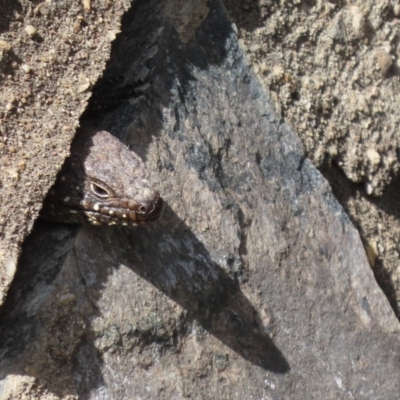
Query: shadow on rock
x=39, y=333
x=172, y=259
x=46, y=336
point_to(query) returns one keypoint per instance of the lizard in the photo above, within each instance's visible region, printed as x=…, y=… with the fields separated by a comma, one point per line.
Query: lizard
x=102, y=182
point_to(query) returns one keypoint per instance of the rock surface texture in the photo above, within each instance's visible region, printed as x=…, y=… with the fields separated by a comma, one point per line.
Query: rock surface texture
x=51, y=53
x=254, y=284
x=333, y=71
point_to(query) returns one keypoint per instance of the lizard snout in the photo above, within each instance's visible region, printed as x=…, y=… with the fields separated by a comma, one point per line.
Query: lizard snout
x=151, y=208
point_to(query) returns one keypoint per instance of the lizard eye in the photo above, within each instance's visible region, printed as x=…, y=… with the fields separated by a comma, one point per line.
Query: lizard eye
x=99, y=190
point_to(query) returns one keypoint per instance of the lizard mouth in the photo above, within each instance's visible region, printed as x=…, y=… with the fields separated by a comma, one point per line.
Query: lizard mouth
x=127, y=214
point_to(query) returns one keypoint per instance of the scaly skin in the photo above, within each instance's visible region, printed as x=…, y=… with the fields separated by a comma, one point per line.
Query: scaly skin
x=102, y=183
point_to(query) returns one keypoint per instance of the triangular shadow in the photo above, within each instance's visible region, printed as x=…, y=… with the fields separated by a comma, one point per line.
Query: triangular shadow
x=172, y=258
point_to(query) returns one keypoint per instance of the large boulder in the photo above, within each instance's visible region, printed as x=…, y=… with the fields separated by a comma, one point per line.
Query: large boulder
x=254, y=284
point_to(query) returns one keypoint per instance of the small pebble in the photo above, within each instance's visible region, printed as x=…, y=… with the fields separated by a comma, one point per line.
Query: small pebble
x=358, y=21
x=13, y=173
x=30, y=30
x=5, y=45
x=87, y=6
x=67, y=298
x=21, y=165
x=84, y=83
x=384, y=60
x=369, y=188
x=373, y=156
x=26, y=68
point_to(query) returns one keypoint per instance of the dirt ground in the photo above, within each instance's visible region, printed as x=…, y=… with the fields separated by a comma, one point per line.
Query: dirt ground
x=333, y=70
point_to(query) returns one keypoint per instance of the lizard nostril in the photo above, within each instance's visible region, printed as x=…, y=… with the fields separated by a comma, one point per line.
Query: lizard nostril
x=146, y=208
x=149, y=210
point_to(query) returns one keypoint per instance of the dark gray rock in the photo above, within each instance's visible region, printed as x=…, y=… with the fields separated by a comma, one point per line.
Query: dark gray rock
x=253, y=285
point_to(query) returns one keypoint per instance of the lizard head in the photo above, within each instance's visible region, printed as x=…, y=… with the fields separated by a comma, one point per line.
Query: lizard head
x=103, y=183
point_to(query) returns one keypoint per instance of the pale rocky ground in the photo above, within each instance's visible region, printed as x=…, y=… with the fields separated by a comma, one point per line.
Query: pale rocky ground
x=51, y=53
